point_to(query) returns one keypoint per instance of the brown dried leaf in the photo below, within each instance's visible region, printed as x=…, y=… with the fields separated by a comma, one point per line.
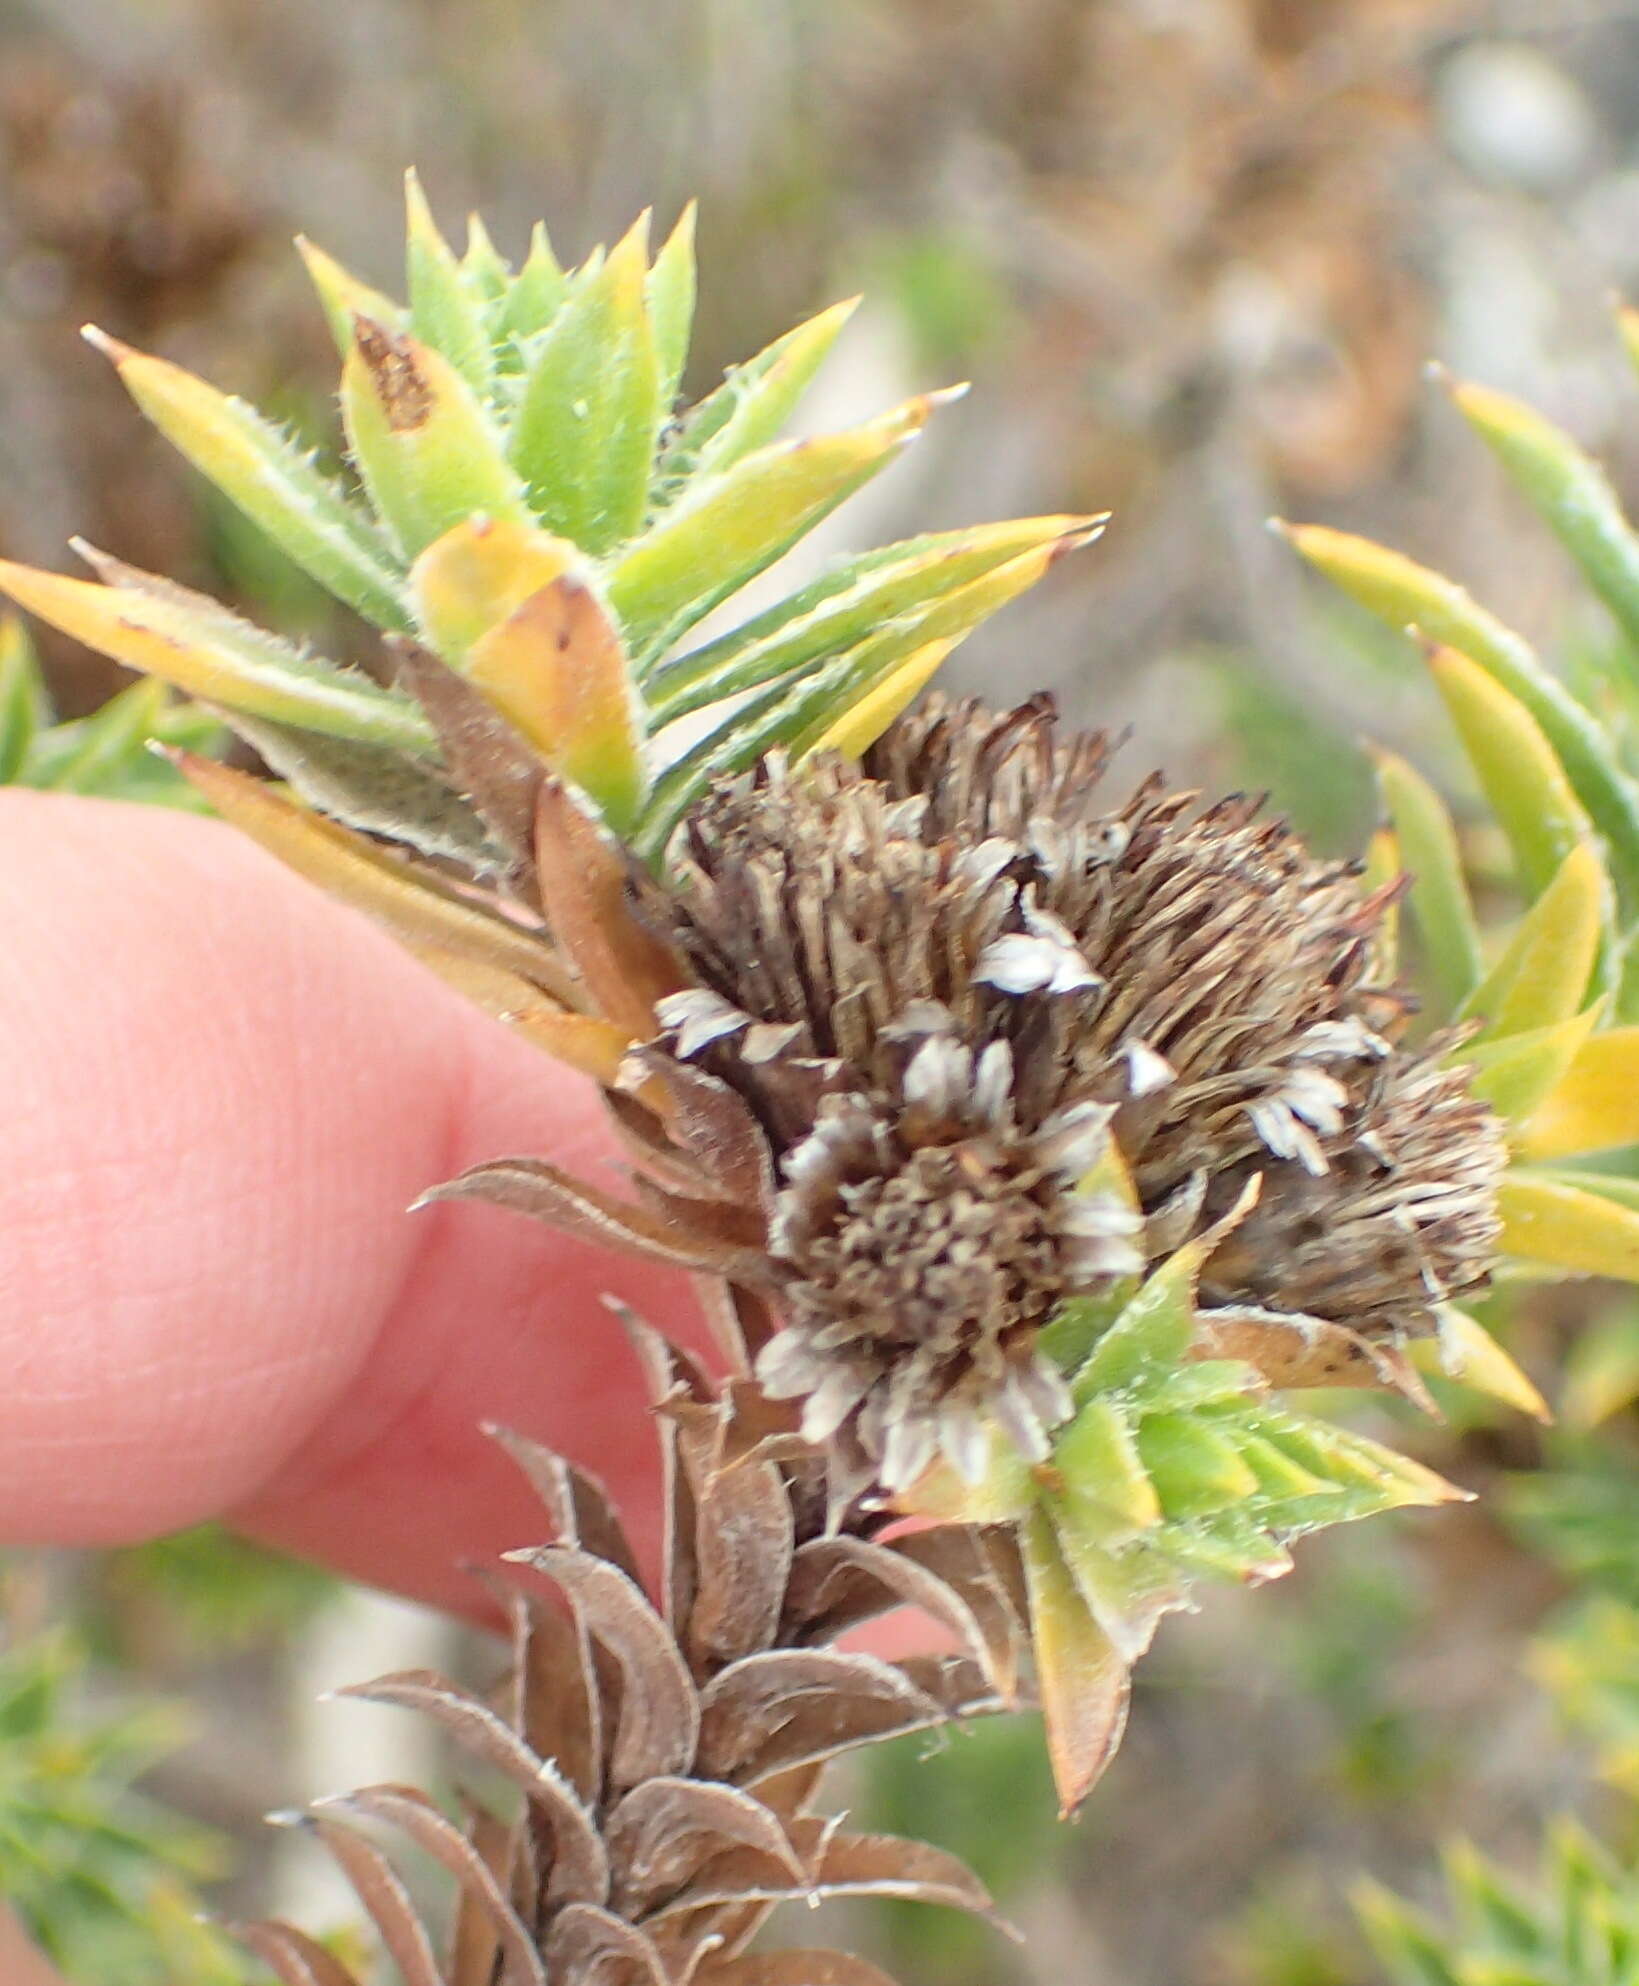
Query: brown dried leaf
x=551, y=1697
x=888, y=1865
x=744, y=1536
x=291, y=1955
x=379, y=1888
x=711, y=1123
x=659, y=1716
x=758, y=1428
x=486, y=757
x=720, y=1306
x=725, y=1223
x=651, y=1152
x=783, y=1708
x=959, y=1685
x=836, y=1583
x=580, y=1868
x=664, y=1833
x=537, y=1188
x=982, y=1567
x=791, y=1790
x=576, y=1503
x=474, y=1948
x=1294, y=1351
x=669, y=1376
x=594, y=1948
x=421, y=1822
x=624, y=965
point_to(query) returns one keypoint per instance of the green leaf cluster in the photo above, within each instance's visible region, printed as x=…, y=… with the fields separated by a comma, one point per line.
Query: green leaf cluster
x=513, y=433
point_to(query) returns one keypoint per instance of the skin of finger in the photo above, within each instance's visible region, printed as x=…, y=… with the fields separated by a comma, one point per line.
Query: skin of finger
x=223, y=1093
x=20, y=1963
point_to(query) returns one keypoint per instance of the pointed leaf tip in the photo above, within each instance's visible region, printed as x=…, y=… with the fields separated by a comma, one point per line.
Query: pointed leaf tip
x=105, y=342
x=270, y=479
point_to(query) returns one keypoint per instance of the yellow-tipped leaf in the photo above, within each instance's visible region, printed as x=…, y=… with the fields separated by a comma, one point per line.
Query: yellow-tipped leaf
x=475, y=575
x=271, y=480
x=1408, y=595
x=731, y=526
x=207, y=652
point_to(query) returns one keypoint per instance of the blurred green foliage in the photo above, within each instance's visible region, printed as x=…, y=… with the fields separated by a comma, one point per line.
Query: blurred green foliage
x=102, y=1877
x=107, y=754
x=1578, y=1927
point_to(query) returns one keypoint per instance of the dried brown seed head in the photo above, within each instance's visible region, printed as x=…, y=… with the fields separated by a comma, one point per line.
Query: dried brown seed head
x=940, y=980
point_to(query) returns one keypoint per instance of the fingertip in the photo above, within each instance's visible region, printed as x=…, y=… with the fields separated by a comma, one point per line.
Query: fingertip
x=223, y=1091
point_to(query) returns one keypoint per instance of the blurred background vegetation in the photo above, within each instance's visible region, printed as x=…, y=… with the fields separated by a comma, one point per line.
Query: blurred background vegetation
x=1194, y=255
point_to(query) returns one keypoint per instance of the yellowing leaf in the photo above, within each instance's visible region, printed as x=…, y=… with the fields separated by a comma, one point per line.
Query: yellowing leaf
x=1195, y=1468
x=200, y=647
x=862, y=723
x=1563, y=1225
x=1382, y=865
x=732, y=525
x=271, y=480
x=480, y=571
x=754, y=402
x=343, y=297
x=1464, y=1351
x=1595, y=1105
x=849, y=604
x=1099, y=1460
x=556, y=670
x=421, y=911
x=1406, y=595
x=1004, y=1494
x=1570, y=490
x=1517, y=767
x=1082, y=1680
x=1542, y=975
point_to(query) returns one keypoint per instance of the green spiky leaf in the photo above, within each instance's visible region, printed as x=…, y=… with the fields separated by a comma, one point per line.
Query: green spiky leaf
x=585, y=432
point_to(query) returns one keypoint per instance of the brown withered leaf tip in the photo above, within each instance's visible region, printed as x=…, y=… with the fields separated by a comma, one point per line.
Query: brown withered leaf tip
x=662, y=1760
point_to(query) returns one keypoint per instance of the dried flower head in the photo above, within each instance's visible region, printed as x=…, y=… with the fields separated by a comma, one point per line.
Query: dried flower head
x=1006, y=1047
